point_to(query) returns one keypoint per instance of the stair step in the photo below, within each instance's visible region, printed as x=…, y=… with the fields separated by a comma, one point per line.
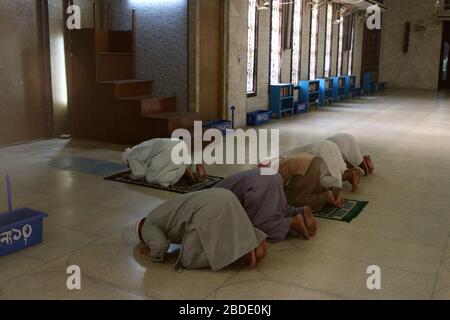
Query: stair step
x=131, y=89
x=111, y=53
x=176, y=120
x=123, y=81
x=151, y=104
x=173, y=115
x=114, y=66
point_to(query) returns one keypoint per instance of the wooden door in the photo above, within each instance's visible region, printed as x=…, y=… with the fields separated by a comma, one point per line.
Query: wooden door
x=371, y=51
x=444, y=71
x=25, y=104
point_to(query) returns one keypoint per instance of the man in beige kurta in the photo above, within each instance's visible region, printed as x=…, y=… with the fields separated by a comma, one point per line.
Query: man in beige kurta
x=302, y=182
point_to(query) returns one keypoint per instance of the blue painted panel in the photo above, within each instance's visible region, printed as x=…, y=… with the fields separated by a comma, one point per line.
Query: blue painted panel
x=87, y=165
x=369, y=84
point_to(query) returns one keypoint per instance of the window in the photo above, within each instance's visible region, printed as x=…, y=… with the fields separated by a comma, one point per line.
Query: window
x=313, y=42
x=340, y=51
x=328, y=41
x=252, y=61
x=275, y=50
x=296, y=41
x=352, y=46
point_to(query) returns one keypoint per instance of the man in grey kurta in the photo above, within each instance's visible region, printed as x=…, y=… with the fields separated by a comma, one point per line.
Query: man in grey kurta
x=265, y=202
x=211, y=226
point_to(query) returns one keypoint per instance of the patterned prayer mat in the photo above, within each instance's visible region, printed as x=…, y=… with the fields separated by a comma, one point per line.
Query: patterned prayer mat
x=350, y=211
x=181, y=187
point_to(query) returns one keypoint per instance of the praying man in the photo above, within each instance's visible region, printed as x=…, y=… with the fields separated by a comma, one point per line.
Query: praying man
x=152, y=161
x=210, y=225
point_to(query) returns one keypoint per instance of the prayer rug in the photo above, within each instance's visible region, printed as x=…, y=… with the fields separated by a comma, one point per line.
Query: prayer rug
x=350, y=211
x=182, y=187
x=87, y=165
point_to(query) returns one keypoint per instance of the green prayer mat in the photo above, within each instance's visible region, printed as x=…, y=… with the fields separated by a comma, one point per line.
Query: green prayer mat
x=350, y=211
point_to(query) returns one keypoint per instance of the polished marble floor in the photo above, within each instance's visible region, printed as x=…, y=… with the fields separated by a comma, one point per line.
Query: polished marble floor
x=405, y=229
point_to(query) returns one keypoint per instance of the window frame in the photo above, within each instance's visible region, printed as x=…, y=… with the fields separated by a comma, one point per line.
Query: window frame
x=340, y=47
x=316, y=38
x=254, y=92
x=272, y=43
x=300, y=41
x=328, y=28
x=351, y=52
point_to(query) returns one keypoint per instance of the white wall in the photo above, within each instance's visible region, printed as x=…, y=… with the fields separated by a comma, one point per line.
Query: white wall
x=419, y=68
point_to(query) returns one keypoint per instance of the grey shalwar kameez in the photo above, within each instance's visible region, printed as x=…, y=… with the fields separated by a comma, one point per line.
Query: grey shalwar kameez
x=210, y=225
x=264, y=201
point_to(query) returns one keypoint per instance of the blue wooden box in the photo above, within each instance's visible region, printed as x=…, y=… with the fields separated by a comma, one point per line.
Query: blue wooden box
x=350, y=86
x=326, y=91
x=300, y=108
x=20, y=229
x=221, y=125
x=281, y=99
x=258, y=117
x=309, y=92
x=369, y=84
x=338, y=88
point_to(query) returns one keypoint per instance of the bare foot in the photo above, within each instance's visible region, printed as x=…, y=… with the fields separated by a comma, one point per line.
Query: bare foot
x=369, y=163
x=365, y=168
x=145, y=251
x=261, y=251
x=310, y=221
x=298, y=224
x=265, y=164
x=331, y=200
x=251, y=259
x=340, y=201
x=188, y=174
x=354, y=177
x=201, y=172
x=268, y=163
x=349, y=165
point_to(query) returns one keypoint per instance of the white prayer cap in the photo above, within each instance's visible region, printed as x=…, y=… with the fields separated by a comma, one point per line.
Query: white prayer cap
x=126, y=155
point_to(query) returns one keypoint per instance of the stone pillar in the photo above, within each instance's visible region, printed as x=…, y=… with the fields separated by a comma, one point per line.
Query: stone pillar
x=235, y=59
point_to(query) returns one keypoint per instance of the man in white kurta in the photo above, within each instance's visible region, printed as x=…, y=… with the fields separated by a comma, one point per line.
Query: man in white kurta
x=351, y=152
x=349, y=148
x=151, y=160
